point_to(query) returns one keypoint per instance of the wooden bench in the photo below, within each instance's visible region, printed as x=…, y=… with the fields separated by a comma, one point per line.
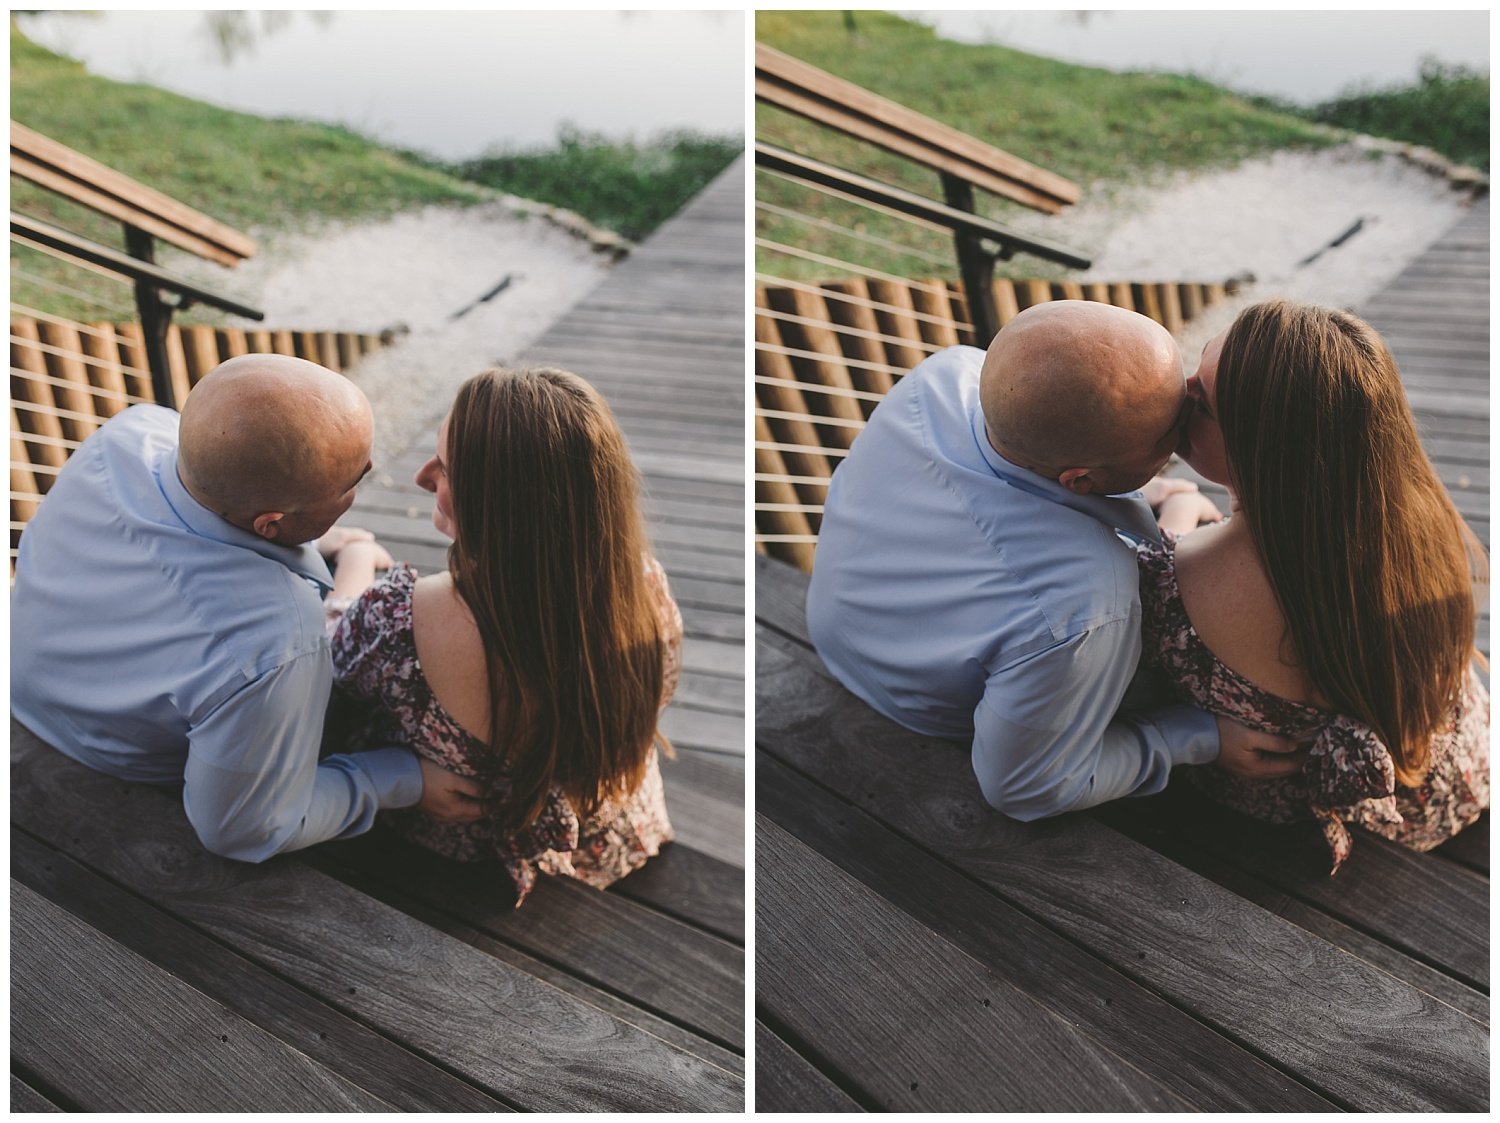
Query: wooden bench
x=1151, y=955
x=801, y=88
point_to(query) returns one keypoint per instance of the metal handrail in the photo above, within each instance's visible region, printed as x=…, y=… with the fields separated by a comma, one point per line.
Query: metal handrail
x=150, y=280
x=979, y=242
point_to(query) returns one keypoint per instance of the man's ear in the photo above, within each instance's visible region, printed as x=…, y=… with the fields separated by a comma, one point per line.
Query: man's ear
x=1079, y=481
x=268, y=525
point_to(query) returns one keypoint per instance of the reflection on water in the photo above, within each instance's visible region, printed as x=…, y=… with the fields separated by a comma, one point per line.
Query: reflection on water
x=1304, y=57
x=453, y=84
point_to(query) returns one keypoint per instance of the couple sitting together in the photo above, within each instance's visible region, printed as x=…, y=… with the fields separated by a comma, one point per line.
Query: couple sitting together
x=987, y=572
x=175, y=621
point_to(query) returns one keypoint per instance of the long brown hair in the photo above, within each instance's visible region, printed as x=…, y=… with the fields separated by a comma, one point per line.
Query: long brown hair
x=1372, y=566
x=548, y=553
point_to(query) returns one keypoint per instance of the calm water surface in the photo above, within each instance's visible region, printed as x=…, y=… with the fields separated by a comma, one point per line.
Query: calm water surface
x=453, y=84
x=1305, y=57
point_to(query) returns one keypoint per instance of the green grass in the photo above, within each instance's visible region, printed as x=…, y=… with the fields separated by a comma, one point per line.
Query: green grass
x=1448, y=109
x=628, y=187
x=1084, y=123
x=247, y=171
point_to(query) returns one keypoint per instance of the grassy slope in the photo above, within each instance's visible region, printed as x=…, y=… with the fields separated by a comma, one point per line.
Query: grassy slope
x=244, y=170
x=1084, y=123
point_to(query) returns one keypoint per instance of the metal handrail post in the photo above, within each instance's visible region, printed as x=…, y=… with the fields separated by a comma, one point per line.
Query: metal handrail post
x=976, y=264
x=156, y=317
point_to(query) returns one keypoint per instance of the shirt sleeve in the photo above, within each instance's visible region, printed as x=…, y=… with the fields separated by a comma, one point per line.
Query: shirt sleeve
x=1047, y=738
x=254, y=786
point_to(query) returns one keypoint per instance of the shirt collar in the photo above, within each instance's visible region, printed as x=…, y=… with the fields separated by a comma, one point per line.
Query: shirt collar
x=303, y=560
x=1129, y=513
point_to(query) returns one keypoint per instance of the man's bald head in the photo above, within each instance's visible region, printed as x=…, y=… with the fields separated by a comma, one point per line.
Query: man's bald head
x=1074, y=385
x=273, y=435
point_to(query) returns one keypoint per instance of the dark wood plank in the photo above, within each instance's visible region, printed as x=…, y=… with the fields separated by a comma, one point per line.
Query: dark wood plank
x=76, y=994
x=785, y=1081
x=673, y=969
x=380, y=1066
x=1186, y=1057
x=521, y=1040
x=694, y=887
x=920, y=1026
x=25, y=1098
x=1471, y=847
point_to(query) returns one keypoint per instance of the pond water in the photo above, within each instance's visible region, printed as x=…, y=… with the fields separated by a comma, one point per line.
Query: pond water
x=453, y=84
x=1305, y=57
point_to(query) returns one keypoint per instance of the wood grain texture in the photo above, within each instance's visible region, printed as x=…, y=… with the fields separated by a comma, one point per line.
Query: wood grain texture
x=365, y=1058
x=23, y=1098
x=76, y=994
x=906, y=1017
x=652, y=960
x=785, y=1081
x=1163, y=926
x=1205, y=1069
x=520, y=1040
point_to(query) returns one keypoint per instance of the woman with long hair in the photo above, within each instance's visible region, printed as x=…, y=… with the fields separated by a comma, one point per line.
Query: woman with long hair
x=540, y=659
x=1337, y=604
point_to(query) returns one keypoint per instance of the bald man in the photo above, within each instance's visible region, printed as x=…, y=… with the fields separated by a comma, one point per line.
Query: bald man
x=167, y=621
x=974, y=577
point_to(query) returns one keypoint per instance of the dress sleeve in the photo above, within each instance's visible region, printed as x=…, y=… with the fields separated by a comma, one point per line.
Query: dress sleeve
x=366, y=635
x=669, y=627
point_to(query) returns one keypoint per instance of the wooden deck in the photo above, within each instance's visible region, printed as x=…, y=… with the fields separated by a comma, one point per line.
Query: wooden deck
x=367, y=975
x=918, y=951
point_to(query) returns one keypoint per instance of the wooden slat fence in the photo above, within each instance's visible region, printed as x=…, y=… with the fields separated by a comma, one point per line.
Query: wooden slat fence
x=68, y=378
x=825, y=354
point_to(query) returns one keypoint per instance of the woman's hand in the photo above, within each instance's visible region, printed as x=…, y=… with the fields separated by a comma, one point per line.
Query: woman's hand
x=1187, y=511
x=355, y=564
x=1159, y=489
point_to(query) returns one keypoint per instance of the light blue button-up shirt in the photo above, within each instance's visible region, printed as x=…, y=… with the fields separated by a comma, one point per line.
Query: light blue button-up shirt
x=152, y=640
x=968, y=598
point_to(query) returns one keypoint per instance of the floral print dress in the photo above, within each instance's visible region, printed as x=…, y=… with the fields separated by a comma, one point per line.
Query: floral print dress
x=375, y=662
x=1350, y=777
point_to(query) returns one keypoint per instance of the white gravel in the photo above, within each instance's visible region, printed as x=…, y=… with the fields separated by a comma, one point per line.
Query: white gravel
x=1264, y=217
x=414, y=271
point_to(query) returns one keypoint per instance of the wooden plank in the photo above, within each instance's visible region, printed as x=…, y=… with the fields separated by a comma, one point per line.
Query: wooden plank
x=1471, y=848
x=786, y=1081
x=921, y=1026
x=522, y=1041
x=25, y=1098
x=47, y=151
x=1073, y=876
x=366, y=1059
x=653, y=961
x=1206, y=1070
x=76, y=994
x=692, y=886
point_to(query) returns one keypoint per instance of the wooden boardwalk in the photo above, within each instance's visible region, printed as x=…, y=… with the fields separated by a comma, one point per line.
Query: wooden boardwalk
x=367, y=975
x=917, y=950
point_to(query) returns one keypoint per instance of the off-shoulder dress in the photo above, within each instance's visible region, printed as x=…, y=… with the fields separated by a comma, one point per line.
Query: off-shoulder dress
x=1350, y=777
x=375, y=662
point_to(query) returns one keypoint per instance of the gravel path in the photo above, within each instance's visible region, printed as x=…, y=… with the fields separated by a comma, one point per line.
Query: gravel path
x=1265, y=217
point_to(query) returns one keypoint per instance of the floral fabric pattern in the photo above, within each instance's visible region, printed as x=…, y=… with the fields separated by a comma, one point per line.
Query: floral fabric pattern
x=1350, y=777
x=375, y=661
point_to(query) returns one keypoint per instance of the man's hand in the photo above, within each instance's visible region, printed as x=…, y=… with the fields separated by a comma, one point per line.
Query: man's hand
x=1161, y=488
x=335, y=538
x=1186, y=511
x=1252, y=755
x=450, y=798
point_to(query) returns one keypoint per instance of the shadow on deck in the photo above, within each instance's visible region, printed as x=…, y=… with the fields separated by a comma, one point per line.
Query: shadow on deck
x=148, y=974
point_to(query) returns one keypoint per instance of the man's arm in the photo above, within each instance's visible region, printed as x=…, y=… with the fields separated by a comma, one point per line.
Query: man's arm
x=254, y=786
x=1046, y=739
